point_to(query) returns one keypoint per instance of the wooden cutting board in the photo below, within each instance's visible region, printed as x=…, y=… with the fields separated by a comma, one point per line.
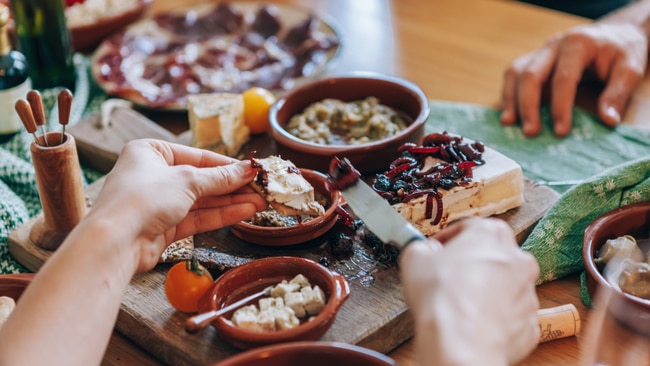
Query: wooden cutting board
x=375, y=315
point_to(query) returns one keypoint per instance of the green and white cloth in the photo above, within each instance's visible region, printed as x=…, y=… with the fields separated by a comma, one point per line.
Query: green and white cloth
x=614, y=165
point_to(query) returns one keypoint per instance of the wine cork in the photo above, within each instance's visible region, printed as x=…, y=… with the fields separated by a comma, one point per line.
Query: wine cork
x=558, y=322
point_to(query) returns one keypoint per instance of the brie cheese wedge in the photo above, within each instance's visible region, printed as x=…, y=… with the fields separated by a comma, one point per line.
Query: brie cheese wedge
x=496, y=187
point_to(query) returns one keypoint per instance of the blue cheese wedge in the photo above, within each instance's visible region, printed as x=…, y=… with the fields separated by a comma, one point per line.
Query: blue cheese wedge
x=217, y=122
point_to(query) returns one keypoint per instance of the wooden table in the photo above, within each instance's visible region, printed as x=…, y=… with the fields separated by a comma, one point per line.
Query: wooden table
x=456, y=51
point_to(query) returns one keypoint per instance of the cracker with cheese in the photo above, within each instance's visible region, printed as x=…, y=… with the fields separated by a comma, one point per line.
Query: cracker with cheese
x=284, y=187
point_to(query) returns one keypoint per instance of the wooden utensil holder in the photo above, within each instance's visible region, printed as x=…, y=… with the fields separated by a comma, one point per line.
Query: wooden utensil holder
x=60, y=188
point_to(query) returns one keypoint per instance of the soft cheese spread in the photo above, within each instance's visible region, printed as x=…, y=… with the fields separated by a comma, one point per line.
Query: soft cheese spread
x=285, y=188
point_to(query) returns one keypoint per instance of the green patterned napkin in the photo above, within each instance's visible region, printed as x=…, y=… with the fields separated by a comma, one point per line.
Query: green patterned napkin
x=556, y=241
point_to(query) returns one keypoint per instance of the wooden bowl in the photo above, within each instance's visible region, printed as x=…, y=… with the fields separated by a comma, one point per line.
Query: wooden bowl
x=291, y=235
x=13, y=285
x=318, y=354
x=258, y=274
x=632, y=220
x=85, y=37
x=400, y=94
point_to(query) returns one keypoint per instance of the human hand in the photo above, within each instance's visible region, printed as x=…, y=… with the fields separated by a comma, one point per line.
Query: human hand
x=615, y=52
x=472, y=294
x=164, y=192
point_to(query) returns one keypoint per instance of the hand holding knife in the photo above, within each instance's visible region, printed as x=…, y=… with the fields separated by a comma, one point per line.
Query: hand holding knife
x=391, y=227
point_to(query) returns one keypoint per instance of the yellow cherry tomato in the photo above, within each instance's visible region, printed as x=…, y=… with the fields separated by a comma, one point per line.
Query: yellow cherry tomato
x=185, y=283
x=257, y=102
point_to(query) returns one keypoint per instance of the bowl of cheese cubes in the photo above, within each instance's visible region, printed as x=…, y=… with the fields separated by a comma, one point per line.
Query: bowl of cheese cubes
x=300, y=301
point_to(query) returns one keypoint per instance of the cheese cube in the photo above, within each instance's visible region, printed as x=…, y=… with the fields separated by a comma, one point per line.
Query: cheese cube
x=284, y=288
x=217, y=122
x=246, y=318
x=285, y=318
x=314, y=299
x=300, y=280
x=271, y=302
x=266, y=319
x=296, y=301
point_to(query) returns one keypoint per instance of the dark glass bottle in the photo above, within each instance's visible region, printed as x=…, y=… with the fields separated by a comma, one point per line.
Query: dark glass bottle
x=14, y=80
x=44, y=39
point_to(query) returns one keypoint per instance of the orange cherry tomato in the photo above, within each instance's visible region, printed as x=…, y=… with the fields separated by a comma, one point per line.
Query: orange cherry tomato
x=257, y=103
x=185, y=283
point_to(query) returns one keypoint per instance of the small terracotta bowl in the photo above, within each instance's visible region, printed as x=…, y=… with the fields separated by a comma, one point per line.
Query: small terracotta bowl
x=255, y=276
x=87, y=36
x=291, y=235
x=318, y=354
x=400, y=94
x=13, y=285
x=631, y=220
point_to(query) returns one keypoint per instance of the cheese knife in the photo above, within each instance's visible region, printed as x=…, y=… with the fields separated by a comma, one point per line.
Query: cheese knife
x=366, y=204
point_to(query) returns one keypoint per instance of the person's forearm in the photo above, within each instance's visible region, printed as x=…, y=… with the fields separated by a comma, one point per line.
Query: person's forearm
x=637, y=13
x=67, y=314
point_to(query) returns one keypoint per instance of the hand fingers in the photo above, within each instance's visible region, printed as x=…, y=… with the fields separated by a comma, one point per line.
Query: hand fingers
x=419, y=248
x=623, y=80
x=176, y=154
x=523, y=85
x=508, y=96
x=574, y=56
x=453, y=229
x=231, y=199
x=219, y=180
x=529, y=93
x=475, y=226
x=203, y=220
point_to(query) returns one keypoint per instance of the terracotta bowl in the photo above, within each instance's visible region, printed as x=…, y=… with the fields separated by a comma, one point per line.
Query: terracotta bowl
x=400, y=94
x=256, y=275
x=13, y=285
x=318, y=354
x=632, y=220
x=86, y=37
x=291, y=235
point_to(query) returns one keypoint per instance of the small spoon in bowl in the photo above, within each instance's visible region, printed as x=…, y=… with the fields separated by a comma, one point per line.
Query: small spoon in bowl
x=197, y=322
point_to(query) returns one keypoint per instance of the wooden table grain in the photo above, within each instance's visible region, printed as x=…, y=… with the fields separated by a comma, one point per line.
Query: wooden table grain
x=456, y=51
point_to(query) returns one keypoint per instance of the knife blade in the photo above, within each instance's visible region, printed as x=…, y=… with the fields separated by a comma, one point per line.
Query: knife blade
x=371, y=208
